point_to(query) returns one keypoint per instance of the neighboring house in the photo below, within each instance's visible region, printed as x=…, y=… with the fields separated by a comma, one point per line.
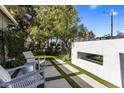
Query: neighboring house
x=117, y=37
x=105, y=38
x=5, y=19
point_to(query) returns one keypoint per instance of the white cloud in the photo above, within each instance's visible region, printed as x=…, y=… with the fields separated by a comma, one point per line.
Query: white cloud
x=93, y=7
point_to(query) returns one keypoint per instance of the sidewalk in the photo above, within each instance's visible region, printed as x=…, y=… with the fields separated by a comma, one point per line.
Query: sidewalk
x=61, y=75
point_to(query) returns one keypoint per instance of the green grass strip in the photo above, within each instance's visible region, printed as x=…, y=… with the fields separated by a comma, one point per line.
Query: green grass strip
x=45, y=57
x=75, y=74
x=58, y=64
x=69, y=80
x=60, y=77
x=104, y=82
x=54, y=78
x=40, y=86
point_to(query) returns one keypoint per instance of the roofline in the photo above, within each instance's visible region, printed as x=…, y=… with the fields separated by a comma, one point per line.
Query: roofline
x=6, y=12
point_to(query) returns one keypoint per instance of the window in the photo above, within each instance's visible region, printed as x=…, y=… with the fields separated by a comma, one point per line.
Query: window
x=94, y=58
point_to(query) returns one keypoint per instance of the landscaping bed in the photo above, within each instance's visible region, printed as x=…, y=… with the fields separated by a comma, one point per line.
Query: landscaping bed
x=95, y=57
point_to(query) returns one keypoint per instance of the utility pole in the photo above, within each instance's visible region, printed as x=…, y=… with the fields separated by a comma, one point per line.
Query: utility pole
x=111, y=26
x=111, y=14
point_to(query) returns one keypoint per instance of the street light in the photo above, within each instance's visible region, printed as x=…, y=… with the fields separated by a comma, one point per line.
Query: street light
x=111, y=13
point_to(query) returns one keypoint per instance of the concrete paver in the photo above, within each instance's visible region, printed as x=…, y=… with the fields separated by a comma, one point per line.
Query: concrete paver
x=58, y=61
x=82, y=83
x=51, y=71
x=91, y=81
x=59, y=83
x=48, y=63
x=68, y=69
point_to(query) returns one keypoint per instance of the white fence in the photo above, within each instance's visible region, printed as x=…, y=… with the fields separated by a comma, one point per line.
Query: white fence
x=112, y=69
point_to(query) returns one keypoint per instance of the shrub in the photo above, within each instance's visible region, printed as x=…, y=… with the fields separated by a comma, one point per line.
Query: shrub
x=65, y=57
x=38, y=52
x=14, y=63
x=47, y=51
x=15, y=42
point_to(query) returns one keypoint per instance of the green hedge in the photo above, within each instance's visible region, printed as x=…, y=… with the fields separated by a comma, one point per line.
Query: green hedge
x=53, y=52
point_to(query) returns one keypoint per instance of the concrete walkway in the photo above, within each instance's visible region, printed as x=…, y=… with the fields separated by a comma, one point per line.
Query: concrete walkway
x=56, y=80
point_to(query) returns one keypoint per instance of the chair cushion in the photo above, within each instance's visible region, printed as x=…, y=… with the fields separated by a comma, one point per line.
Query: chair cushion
x=28, y=54
x=29, y=57
x=31, y=60
x=4, y=75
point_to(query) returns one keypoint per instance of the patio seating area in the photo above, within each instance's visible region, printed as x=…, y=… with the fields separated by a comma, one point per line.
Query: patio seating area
x=46, y=73
x=29, y=75
x=49, y=47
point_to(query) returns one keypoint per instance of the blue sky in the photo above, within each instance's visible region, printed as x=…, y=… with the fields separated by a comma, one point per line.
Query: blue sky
x=97, y=21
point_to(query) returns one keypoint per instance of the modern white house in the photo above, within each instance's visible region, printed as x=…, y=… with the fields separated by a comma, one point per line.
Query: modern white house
x=5, y=19
x=110, y=53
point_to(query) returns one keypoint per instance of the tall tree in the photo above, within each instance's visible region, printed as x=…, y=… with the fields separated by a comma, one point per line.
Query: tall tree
x=24, y=15
x=82, y=33
x=49, y=23
x=91, y=35
x=58, y=21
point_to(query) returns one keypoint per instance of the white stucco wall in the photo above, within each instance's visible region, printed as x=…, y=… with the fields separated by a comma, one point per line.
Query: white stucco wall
x=113, y=66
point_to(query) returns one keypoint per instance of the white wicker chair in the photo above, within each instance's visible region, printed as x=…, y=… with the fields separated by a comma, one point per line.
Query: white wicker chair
x=31, y=58
x=28, y=80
